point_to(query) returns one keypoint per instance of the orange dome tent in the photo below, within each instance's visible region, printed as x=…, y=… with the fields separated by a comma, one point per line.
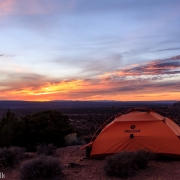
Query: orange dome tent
x=135, y=129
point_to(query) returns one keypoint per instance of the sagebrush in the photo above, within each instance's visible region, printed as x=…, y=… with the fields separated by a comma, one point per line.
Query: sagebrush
x=141, y=158
x=125, y=164
x=11, y=156
x=44, y=167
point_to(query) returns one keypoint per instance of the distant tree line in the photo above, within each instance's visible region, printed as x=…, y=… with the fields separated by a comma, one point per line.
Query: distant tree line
x=49, y=126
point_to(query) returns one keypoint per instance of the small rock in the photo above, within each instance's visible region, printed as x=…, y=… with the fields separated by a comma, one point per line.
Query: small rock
x=73, y=165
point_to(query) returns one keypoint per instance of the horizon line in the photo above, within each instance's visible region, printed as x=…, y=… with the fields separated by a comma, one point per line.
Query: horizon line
x=92, y=100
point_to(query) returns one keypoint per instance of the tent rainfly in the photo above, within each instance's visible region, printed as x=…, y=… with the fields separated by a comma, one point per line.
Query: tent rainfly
x=134, y=129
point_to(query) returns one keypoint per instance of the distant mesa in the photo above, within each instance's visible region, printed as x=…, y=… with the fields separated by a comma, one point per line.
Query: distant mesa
x=176, y=103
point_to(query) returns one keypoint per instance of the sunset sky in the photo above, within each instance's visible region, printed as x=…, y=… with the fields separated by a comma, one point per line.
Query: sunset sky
x=125, y=50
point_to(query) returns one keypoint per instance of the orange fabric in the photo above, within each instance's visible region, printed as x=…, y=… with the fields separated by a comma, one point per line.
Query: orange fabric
x=87, y=145
x=173, y=126
x=151, y=131
x=139, y=116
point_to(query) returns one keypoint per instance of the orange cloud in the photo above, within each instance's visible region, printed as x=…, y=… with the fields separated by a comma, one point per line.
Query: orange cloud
x=156, y=80
x=95, y=90
x=170, y=66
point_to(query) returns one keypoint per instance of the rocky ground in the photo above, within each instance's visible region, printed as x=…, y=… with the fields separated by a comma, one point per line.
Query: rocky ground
x=76, y=166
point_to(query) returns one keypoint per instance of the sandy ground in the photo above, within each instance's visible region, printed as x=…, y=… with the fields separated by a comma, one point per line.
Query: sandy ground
x=84, y=169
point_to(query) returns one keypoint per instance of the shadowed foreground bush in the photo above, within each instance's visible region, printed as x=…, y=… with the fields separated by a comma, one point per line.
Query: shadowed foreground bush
x=126, y=163
x=44, y=149
x=11, y=156
x=41, y=168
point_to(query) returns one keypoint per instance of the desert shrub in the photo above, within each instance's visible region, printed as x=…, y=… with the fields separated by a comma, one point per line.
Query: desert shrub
x=47, y=127
x=120, y=165
x=72, y=139
x=44, y=149
x=44, y=167
x=11, y=156
x=141, y=158
x=126, y=163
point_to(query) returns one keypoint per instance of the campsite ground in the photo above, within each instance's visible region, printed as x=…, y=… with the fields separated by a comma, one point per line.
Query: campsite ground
x=76, y=166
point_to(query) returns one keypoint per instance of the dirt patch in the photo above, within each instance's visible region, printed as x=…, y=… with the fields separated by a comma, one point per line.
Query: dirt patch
x=76, y=166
